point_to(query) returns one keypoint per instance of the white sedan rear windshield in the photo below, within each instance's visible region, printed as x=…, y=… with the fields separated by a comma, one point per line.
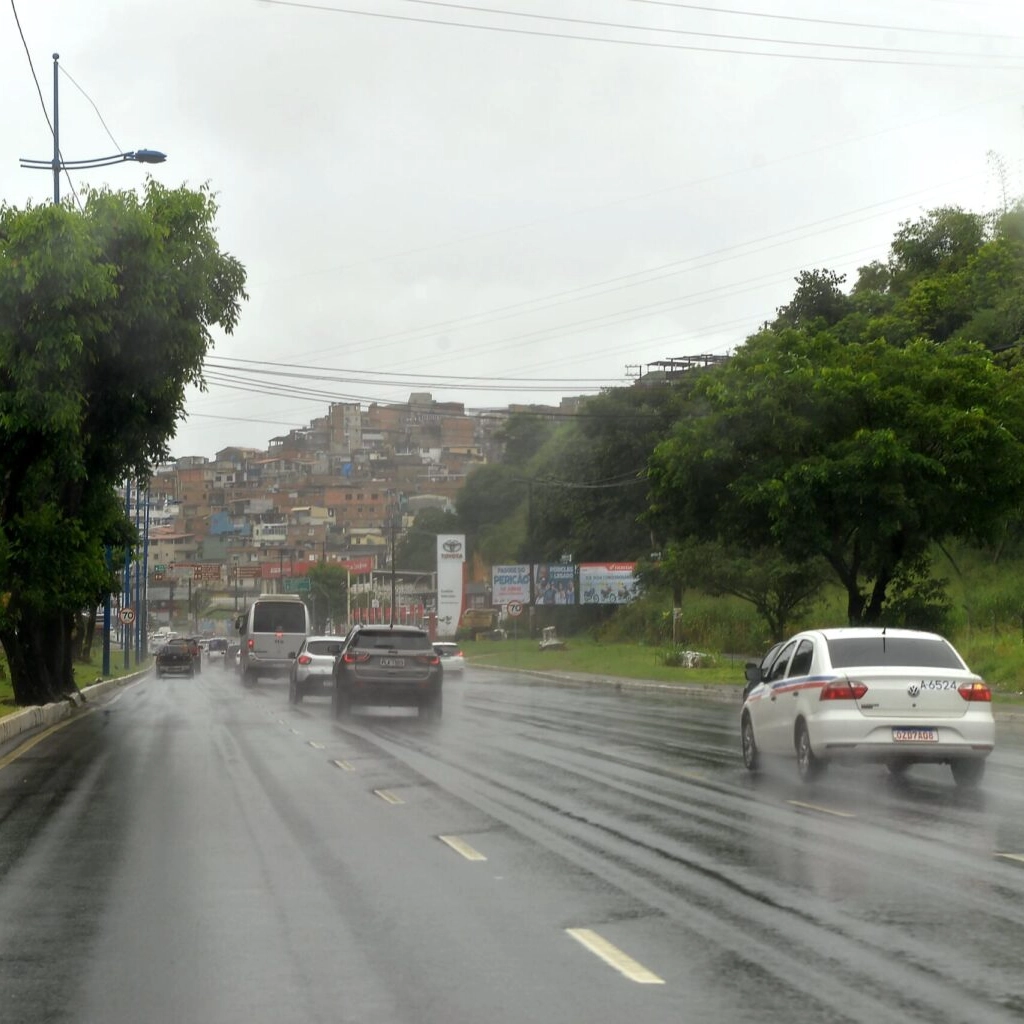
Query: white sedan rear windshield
x=894, y=652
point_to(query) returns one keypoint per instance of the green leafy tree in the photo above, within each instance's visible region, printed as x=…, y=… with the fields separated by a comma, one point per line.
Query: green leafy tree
x=861, y=454
x=328, y=594
x=416, y=551
x=779, y=589
x=588, y=490
x=105, y=318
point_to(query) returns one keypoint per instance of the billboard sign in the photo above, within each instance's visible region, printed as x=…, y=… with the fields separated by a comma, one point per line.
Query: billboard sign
x=510, y=583
x=451, y=558
x=554, y=584
x=607, y=582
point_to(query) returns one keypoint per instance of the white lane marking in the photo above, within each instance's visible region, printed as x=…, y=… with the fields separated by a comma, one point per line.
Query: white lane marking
x=317, y=746
x=462, y=847
x=343, y=765
x=820, y=810
x=614, y=957
x=389, y=797
x=1012, y=856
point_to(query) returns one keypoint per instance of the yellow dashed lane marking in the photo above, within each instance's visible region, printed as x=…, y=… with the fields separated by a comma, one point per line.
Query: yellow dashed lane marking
x=462, y=847
x=389, y=797
x=820, y=810
x=1006, y=856
x=317, y=746
x=343, y=765
x=614, y=957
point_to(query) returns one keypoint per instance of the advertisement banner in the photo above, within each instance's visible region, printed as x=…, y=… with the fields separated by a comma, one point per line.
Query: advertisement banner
x=554, y=584
x=361, y=566
x=607, y=582
x=451, y=557
x=510, y=583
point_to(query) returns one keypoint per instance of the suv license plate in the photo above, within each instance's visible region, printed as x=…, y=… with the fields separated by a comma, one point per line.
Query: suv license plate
x=914, y=735
x=392, y=662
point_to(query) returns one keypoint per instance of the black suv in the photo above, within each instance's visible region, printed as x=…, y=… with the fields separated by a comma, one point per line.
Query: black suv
x=388, y=665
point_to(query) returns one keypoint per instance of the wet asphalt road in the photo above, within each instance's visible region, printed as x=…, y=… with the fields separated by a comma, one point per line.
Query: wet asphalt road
x=191, y=851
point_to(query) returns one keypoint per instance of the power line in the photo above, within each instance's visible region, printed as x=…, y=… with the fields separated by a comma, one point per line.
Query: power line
x=987, y=65
x=110, y=136
x=826, y=21
x=695, y=33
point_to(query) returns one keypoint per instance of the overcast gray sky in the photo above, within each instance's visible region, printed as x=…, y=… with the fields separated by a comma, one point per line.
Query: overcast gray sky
x=510, y=212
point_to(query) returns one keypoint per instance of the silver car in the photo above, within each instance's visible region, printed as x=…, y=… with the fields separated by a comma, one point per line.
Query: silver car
x=312, y=669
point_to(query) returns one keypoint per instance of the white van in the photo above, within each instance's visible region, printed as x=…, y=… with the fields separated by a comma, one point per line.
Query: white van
x=271, y=630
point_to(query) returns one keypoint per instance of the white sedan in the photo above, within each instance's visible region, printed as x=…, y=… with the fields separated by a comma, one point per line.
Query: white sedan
x=452, y=658
x=895, y=696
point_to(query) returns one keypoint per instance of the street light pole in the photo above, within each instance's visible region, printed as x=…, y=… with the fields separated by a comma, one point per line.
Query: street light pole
x=56, y=165
x=56, y=134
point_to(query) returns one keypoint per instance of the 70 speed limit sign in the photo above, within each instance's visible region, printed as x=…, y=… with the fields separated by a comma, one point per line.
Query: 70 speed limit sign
x=126, y=616
x=514, y=609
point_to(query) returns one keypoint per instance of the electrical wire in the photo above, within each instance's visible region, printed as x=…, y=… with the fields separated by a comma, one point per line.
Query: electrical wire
x=110, y=135
x=924, y=30
x=987, y=65
x=702, y=35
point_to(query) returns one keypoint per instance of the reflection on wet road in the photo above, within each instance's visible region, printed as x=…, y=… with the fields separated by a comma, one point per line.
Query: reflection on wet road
x=551, y=854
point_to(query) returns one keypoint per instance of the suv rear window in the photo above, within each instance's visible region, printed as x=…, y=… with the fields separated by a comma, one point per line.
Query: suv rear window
x=893, y=651
x=387, y=639
x=279, y=617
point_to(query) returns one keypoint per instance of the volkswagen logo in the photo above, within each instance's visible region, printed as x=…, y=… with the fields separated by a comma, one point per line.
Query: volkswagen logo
x=914, y=689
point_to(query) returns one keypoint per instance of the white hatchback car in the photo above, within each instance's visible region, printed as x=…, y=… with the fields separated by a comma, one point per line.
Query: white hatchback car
x=895, y=696
x=452, y=658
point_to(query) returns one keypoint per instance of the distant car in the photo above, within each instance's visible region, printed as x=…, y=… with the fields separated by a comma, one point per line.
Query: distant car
x=175, y=658
x=388, y=665
x=216, y=649
x=895, y=696
x=197, y=652
x=313, y=668
x=451, y=656
x=232, y=656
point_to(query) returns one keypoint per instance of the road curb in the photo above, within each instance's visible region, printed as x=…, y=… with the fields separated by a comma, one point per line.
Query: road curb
x=44, y=715
x=723, y=693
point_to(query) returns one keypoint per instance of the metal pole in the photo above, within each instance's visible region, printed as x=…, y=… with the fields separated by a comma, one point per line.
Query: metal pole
x=106, y=620
x=143, y=609
x=56, y=135
x=138, y=581
x=127, y=582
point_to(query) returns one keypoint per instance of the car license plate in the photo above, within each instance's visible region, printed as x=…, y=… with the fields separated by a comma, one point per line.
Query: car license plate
x=392, y=662
x=914, y=735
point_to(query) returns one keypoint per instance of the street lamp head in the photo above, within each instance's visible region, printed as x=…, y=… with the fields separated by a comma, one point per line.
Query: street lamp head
x=148, y=156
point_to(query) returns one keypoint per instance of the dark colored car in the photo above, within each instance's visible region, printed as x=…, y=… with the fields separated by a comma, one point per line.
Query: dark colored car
x=175, y=658
x=394, y=666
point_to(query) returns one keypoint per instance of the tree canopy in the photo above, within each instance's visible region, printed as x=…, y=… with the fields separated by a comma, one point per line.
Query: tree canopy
x=105, y=318
x=866, y=439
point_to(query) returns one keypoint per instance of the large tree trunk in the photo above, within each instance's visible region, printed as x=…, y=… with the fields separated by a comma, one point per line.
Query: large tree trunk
x=87, y=630
x=39, y=655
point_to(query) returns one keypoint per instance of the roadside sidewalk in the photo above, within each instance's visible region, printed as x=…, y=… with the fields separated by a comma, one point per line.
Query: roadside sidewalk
x=45, y=715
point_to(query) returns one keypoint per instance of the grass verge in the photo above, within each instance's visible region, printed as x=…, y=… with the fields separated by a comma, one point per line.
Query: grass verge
x=86, y=673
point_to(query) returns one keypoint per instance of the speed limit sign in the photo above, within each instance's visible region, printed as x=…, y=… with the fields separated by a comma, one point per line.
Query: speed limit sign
x=126, y=615
x=514, y=609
